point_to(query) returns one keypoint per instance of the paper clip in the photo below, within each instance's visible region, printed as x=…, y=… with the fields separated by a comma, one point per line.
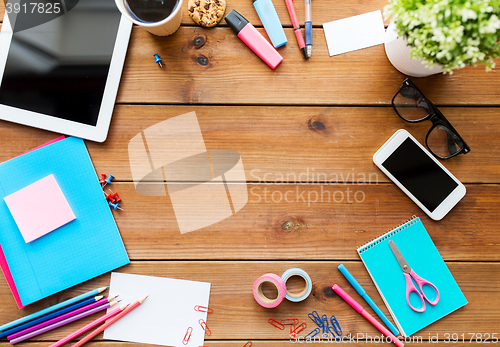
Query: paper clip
x=290, y=321
x=248, y=344
x=324, y=319
x=187, y=336
x=203, y=309
x=335, y=325
x=276, y=323
x=292, y=328
x=315, y=318
x=205, y=327
x=312, y=334
x=299, y=328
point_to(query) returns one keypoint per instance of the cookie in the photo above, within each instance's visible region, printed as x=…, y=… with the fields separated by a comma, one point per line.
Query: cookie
x=206, y=13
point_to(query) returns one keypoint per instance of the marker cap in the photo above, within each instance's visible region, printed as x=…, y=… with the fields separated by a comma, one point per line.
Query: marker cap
x=236, y=21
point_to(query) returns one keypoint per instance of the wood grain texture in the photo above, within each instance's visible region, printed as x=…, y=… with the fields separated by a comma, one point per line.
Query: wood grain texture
x=237, y=316
x=278, y=222
x=225, y=71
x=310, y=144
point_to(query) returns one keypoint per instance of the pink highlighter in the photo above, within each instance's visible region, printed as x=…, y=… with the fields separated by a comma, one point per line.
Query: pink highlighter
x=253, y=39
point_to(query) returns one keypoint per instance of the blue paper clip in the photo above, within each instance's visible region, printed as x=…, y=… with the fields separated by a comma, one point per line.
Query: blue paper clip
x=315, y=318
x=335, y=325
x=324, y=318
x=312, y=334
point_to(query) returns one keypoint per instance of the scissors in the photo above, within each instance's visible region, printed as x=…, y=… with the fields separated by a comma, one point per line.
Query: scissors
x=410, y=287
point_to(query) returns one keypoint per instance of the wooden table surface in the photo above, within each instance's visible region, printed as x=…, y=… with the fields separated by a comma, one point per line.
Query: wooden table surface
x=321, y=118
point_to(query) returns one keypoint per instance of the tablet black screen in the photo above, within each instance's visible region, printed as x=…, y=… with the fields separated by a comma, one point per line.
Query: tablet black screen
x=60, y=68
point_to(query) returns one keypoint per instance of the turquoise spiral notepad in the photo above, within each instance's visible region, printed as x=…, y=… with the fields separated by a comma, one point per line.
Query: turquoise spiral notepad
x=86, y=247
x=423, y=257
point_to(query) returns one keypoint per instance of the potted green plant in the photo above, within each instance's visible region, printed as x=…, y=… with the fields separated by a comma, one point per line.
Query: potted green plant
x=442, y=35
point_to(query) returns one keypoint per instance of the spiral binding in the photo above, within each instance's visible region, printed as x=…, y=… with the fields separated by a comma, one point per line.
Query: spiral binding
x=388, y=234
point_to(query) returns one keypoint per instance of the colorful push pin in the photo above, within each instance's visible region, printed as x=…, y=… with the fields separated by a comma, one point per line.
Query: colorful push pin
x=113, y=197
x=115, y=206
x=108, y=180
x=102, y=180
x=158, y=60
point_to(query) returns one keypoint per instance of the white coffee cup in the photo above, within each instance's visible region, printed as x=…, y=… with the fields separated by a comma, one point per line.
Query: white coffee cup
x=166, y=27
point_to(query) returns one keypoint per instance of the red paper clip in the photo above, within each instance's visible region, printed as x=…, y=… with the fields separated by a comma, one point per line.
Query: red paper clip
x=291, y=321
x=203, y=309
x=248, y=344
x=276, y=323
x=187, y=336
x=300, y=328
x=205, y=327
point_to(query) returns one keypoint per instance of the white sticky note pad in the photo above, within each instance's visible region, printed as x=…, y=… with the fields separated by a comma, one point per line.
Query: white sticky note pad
x=353, y=33
x=164, y=317
x=39, y=208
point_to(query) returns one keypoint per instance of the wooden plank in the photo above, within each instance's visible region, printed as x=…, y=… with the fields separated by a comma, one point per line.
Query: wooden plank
x=285, y=222
x=237, y=316
x=225, y=71
x=335, y=11
x=282, y=144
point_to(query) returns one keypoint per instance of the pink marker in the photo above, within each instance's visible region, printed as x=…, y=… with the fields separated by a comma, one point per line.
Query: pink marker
x=253, y=39
x=365, y=314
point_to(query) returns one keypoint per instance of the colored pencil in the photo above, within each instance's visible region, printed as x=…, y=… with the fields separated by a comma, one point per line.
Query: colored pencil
x=52, y=308
x=108, y=323
x=50, y=316
x=88, y=326
x=63, y=322
x=60, y=318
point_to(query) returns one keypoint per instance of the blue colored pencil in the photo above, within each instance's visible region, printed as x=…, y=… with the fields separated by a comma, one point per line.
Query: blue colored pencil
x=49, y=316
x=52, y=308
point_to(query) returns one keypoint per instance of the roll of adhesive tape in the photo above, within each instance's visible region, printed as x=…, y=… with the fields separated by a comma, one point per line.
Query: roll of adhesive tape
x=259, y=295
x=304, y=293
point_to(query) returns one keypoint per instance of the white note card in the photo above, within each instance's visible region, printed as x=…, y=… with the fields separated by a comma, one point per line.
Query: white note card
x=358, y=32
x=165, y=316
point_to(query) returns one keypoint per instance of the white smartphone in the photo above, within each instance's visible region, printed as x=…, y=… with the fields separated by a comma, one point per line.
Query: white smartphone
x=424, y=179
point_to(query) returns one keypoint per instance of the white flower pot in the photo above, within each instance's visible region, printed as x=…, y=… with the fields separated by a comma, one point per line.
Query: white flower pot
x=398, y=54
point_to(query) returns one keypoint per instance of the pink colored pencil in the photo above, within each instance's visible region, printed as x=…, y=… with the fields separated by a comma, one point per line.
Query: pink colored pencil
x=61, y=323
x=88, y=326
x=59, y=318
x=108, y=323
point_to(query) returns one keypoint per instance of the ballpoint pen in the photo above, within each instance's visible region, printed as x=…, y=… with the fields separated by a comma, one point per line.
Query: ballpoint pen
x=308, y=28
x=296, y=26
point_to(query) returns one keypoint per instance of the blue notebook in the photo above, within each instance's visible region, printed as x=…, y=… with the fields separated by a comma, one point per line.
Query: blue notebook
x=84, y=248
x=423, y=257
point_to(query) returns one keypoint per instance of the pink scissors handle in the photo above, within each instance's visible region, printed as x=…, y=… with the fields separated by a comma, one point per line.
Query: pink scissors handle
x=421, y=282
x=410, y=287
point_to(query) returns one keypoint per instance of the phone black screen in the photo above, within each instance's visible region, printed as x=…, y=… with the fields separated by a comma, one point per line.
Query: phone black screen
x=419, y=174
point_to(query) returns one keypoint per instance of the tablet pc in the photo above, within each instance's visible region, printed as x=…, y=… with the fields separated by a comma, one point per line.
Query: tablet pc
x=62, y=74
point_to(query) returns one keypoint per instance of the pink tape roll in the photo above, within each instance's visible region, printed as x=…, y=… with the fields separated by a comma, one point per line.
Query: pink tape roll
x=259, y=296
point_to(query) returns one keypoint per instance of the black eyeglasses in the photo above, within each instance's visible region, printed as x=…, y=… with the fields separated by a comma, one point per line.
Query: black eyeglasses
x=412, y=106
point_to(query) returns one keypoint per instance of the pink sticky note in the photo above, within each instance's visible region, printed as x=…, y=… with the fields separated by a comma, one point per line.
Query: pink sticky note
x=39, y=208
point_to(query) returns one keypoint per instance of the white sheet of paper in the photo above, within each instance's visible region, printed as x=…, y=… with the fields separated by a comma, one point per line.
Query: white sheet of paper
x=349, y=34
x=164, y=317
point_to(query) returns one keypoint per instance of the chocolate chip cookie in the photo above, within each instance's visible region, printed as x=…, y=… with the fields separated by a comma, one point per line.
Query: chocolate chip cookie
x=206, y=13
